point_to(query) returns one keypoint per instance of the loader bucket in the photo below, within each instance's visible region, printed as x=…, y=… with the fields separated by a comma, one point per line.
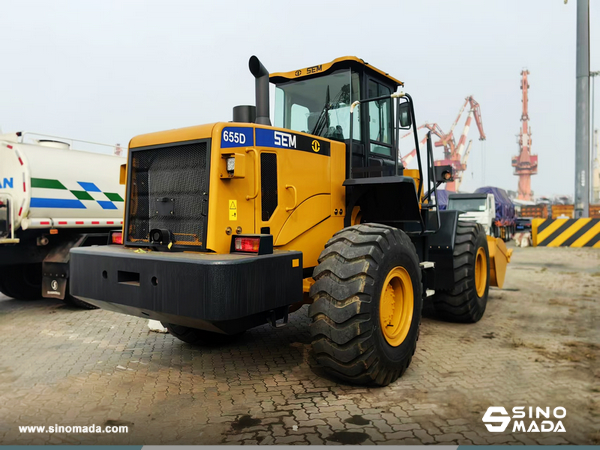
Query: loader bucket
x=499, y=259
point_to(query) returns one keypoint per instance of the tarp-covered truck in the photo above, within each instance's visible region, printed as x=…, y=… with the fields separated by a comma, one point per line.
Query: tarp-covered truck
x=489, y=206
x=53, y=198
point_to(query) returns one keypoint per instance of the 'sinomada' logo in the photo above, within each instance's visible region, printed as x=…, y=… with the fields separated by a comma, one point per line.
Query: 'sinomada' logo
x=497, y=419
x=503, y=420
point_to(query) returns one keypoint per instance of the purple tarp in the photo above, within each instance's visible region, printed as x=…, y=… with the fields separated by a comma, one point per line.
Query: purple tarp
x=442, y=199
x=505, y=210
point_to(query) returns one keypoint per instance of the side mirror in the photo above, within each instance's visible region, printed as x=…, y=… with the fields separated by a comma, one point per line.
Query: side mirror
x=404, y=115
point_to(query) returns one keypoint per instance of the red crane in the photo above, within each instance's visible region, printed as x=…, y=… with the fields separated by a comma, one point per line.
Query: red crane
x=525, y=164
x=454, y=155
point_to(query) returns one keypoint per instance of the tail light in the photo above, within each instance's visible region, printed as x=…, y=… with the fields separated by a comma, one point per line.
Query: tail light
x=116, y=237
x=259, y=244
x=247, y=244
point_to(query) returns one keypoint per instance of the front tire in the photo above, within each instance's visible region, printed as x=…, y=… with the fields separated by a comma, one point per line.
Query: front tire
x=467, y=300
x=367, y=304
x=194, y=336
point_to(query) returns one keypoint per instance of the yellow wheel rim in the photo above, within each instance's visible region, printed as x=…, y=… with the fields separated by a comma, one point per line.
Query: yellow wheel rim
x=480, y=272
x=356, y=216
x=396, y=306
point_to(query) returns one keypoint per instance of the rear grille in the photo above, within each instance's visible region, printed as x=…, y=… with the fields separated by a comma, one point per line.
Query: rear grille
x=169, y=190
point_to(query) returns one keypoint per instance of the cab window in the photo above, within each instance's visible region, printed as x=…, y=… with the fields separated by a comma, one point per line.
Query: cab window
x=380, y=119
x=319, y=106
x=299, y=118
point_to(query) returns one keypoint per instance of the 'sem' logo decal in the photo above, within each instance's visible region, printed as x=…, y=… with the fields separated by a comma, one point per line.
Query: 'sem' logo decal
x=266, y=137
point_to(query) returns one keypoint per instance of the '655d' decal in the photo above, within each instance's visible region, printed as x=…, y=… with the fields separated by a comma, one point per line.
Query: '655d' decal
x=237, y=137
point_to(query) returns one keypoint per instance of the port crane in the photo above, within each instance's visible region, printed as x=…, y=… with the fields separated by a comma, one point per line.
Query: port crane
x=525, y=164
x=455, y=154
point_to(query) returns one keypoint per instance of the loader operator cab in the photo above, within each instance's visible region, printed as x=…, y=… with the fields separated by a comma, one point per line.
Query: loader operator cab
x=353, y=102
x=318, y=100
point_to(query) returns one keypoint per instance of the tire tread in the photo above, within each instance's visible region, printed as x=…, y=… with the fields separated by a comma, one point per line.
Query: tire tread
x=461, y=304
x=343, y=292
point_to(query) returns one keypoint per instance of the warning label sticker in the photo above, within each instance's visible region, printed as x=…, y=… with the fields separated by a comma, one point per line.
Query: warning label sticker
x=232, y=209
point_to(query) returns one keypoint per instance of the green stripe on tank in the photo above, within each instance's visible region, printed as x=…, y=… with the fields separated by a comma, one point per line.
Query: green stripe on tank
x=82, y=195
x=113, y=197
x=46, y=183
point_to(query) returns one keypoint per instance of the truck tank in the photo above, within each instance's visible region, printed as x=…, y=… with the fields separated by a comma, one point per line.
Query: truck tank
x=55, y=194
x=47, y=182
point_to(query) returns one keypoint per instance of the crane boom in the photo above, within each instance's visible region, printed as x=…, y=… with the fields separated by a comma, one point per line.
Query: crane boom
x=459, y=115
x=465, y=158
x=463, y=137
x=477, y=113
x=463, y=161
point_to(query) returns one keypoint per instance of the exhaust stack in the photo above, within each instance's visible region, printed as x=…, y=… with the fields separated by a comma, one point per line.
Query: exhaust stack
x=244, y=114
x=262, y=90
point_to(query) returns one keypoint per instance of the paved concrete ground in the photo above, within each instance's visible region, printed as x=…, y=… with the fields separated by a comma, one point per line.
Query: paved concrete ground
x=537, y=345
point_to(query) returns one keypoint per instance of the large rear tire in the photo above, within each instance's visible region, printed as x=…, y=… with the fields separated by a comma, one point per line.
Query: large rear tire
x=22, y=282
x=367, y=304
x=467, y=300
x=195, y=336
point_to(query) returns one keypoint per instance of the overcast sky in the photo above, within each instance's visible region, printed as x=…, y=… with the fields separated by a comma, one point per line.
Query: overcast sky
x=107, y=71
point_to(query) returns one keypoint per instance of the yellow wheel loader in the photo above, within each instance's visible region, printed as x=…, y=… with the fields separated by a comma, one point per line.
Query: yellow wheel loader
x=232, y=225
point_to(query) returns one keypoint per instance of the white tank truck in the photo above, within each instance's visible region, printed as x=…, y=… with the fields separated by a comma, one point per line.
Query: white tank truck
x=55, y=194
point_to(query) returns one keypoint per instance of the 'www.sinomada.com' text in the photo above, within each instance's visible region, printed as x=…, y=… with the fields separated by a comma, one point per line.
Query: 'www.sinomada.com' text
x=73, y=429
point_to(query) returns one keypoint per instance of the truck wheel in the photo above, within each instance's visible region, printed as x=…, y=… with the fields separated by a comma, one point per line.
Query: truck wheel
x=367, y=304
x=466, y=302
x=195, y=336
x=22, y=282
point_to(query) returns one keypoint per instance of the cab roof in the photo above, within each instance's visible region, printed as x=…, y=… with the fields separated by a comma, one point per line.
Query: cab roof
x=338, y=63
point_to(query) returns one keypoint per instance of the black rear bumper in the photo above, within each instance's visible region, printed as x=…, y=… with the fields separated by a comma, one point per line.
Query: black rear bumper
x=222, y=293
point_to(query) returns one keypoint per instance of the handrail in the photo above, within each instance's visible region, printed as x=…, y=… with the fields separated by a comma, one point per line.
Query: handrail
x=432, y=179
x=289, y=186
x=256, y=174
x=31, y=133
x=29, y=137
